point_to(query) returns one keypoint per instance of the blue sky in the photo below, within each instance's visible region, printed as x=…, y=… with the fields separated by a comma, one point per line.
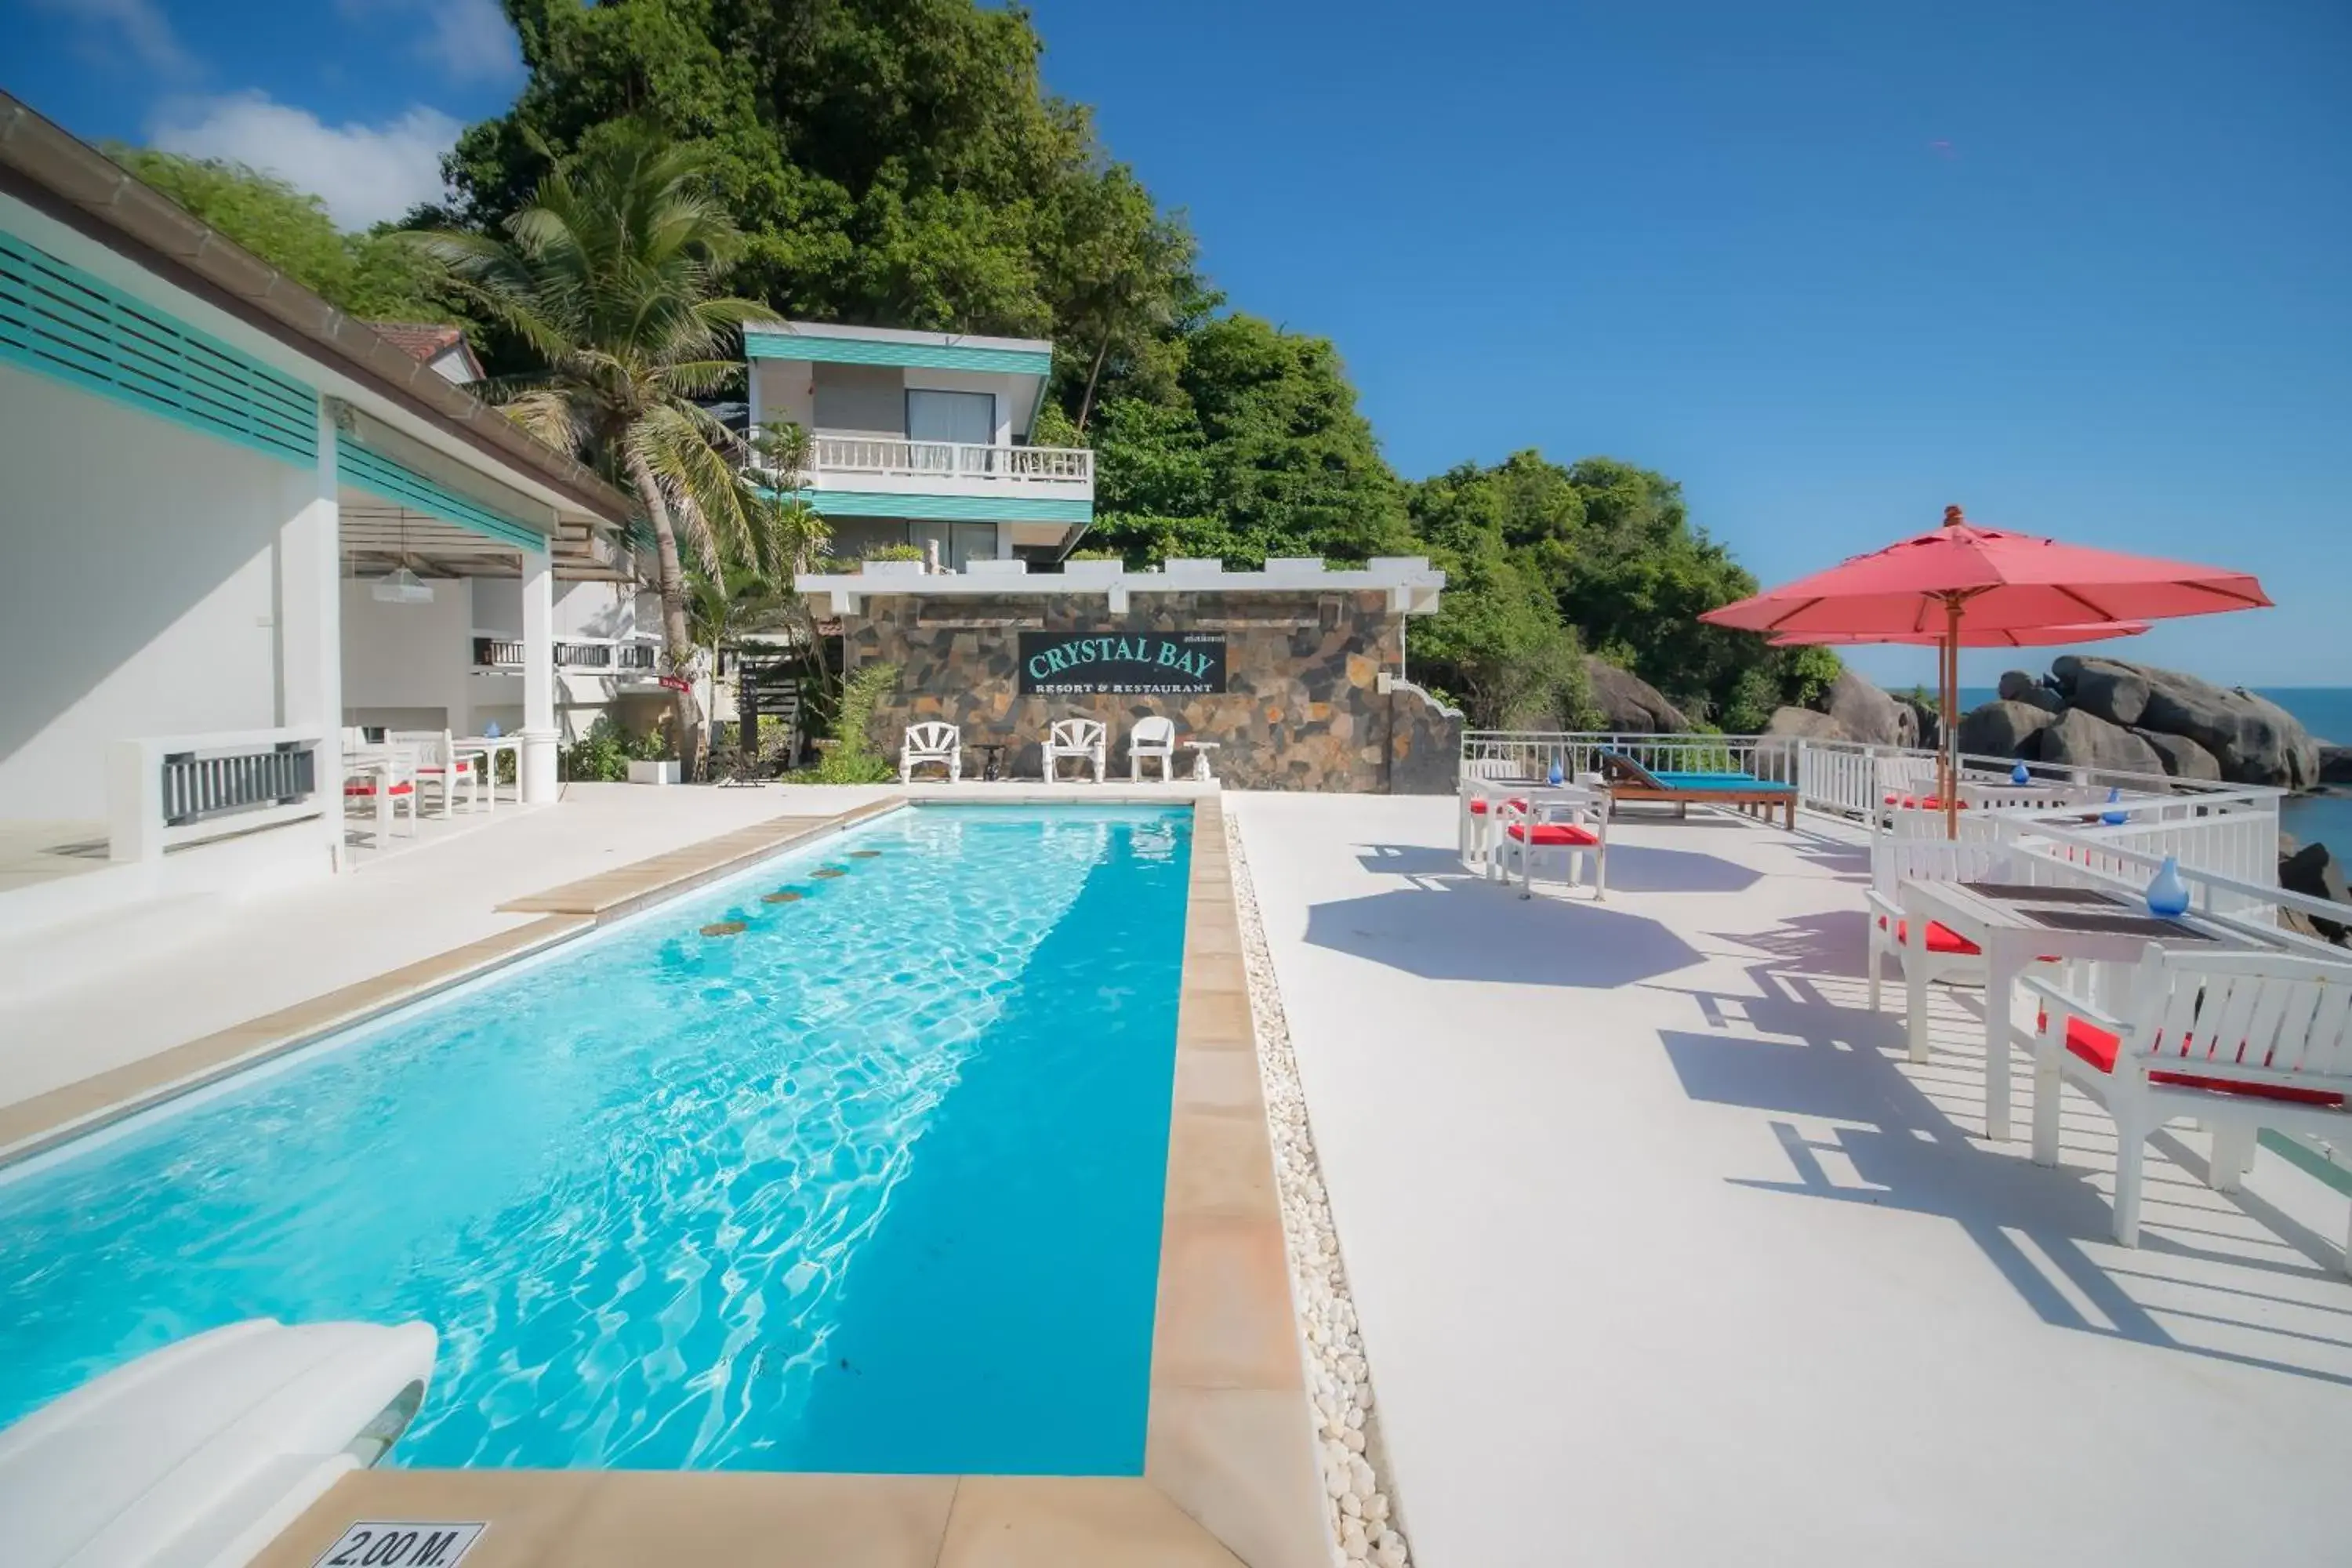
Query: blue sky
x=2086, y=269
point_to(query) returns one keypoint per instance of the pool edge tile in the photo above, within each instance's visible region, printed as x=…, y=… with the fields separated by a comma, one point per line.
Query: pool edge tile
x=1090, y=1521
x=1241, y=1462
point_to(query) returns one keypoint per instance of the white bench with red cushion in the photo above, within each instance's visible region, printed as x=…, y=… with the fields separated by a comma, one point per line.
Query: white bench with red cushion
x=1571, y=823
x=2238, y=1041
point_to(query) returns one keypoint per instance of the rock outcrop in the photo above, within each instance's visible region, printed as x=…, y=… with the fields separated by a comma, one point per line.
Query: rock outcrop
x=2108, y=690
x=1866, y=713
x=2016, y=686
x=2079, y=739
x=1803, y=723
x=2003, y=730
x=1627, y=704
x=2251, y=738
x=2315, y=873
x=2183, y=758
x=1925, y=722
x=2336, y=764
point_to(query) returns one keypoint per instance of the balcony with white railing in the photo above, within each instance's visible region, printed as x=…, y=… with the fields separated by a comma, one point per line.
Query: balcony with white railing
x=882, y=465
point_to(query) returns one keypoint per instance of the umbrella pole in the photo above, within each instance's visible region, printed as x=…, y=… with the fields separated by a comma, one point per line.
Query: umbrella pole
x=1948, y=753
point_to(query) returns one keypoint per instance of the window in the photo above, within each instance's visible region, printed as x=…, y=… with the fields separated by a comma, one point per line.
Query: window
x=965, y=416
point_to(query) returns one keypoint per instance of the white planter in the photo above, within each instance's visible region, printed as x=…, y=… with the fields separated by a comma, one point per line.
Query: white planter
x=653, y=772
x=894, y=569
x=1096, y=572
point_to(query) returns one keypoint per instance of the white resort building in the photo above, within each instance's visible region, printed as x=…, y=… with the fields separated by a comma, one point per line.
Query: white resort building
x=238, y=521
x=922, y=439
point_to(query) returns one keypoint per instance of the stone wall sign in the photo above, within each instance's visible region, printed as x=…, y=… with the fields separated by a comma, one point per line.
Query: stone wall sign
x=1129, y=662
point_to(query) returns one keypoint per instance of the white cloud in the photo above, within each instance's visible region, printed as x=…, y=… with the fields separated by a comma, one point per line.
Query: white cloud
x=138, y=26
x=365, y=174
x=468, y=39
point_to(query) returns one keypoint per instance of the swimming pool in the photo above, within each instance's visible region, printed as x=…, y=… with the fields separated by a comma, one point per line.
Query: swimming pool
x=872, y=1184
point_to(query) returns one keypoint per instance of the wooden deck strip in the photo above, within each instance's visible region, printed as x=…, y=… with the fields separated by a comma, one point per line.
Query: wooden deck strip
x=610, y=894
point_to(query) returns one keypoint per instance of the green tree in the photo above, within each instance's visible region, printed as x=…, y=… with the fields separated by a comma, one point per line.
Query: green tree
x=373, y=276
x=1263, y=452
x=610, y=278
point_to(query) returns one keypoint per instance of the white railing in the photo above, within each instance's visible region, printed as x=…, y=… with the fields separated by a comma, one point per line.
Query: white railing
x=1533, y=753
x=950, y=460
x=163, y=792
x=2224, y=831
x=615, y=654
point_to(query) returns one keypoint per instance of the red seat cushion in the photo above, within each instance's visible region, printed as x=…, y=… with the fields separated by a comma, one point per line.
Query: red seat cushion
x=1478, y=805
x=2098, y=1047
x=358, y=786
x=1941, y=938
x=1556, y=833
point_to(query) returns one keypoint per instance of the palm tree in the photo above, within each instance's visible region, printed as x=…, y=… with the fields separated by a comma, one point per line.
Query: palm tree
x=610, y=277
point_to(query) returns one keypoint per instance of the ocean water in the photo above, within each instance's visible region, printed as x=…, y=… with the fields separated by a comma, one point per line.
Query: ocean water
x=873, y=1184
x=2326, y=712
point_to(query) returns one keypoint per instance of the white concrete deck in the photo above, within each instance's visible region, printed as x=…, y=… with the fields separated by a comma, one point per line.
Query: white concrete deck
x=218, y=962
x=1665, y=1253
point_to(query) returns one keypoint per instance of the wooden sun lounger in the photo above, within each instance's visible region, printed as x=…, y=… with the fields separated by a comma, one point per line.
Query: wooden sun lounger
x=1627, y=780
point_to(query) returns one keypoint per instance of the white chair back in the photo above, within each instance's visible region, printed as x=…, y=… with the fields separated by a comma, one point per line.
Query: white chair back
x=1907, y=777
x=1155, y=732
x=933, y=737
x=1490, y=768
x=2262, y=1017
x=431, y=748
x=1077, y=735
x=1897, y=860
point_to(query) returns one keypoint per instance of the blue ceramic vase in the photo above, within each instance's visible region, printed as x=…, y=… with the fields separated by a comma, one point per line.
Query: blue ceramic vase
x=2115, y=816
x=1556, y=775
x=2168, y=895
x=2021, y=774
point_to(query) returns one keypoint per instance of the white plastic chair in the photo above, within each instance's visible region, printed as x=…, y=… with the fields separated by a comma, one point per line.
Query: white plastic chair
x=2240, y=1041
x=1077, y=739
x=385, y=781
x=1573, y=826
x=933, y=744
x=1152, y=737
x=1946, y=955
x=438, y=765
x=1473, y=834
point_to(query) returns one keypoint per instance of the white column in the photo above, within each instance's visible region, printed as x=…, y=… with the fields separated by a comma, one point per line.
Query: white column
x=310, y=625
x=539, y=732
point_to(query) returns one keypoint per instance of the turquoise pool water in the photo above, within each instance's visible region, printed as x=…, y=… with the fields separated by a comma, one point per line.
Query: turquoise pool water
x=872, y=1185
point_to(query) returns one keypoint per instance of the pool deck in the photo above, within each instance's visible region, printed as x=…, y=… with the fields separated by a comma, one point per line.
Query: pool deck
x=1665, y=1253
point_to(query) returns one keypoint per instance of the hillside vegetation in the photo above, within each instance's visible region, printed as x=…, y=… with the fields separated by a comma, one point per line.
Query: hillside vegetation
x=900, y=163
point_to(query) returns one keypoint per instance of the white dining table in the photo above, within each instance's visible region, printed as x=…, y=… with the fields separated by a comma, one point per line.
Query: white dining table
x=2017, y=925
x=488, y=748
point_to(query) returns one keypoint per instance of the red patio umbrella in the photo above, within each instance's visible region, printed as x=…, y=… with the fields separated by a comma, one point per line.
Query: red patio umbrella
x=1959, y=582
x=1971, y=636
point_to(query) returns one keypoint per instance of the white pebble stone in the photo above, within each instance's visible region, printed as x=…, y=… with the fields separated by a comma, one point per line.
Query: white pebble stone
x=1335, y=1484
x=1354, y=1418
x=1350, y=1504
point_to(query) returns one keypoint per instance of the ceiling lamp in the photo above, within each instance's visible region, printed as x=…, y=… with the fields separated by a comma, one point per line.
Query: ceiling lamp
x=401, y=586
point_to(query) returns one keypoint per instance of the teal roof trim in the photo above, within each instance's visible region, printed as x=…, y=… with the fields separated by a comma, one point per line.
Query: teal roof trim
x=59, y=321
x=917, y=356
x=397, y=483
x=946, y=509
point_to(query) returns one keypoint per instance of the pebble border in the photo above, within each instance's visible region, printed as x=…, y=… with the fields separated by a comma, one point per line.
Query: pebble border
x=1364, y=1523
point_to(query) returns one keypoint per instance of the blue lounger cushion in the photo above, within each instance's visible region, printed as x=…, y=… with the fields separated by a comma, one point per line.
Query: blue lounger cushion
x=1701, y=783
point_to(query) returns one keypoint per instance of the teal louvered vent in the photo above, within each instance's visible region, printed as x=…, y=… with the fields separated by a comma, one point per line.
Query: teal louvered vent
x=388, y=479
x=59, y=321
